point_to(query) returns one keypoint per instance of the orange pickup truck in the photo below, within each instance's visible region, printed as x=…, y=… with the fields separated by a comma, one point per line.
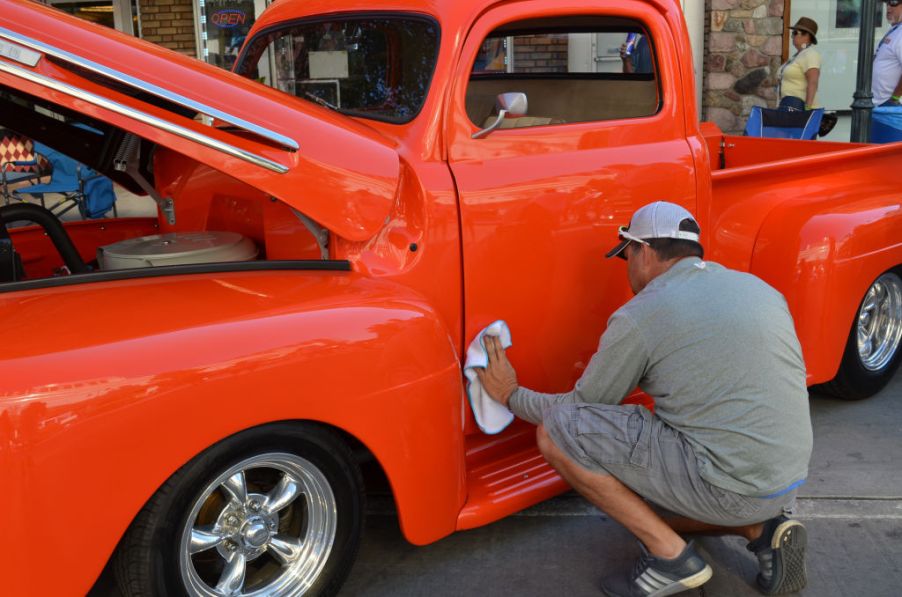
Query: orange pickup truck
x=190, y=398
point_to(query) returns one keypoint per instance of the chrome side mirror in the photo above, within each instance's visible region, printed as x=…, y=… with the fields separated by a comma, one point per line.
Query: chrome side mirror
x=513, y=103
x=491, y=127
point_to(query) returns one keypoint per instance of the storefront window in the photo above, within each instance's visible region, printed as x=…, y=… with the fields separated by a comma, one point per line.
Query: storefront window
x=95, y=12
x=224, y=25
x=115, y=14
x=837, y=36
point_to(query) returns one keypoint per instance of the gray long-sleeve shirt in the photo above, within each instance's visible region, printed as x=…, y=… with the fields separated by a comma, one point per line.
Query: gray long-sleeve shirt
x=718, y=352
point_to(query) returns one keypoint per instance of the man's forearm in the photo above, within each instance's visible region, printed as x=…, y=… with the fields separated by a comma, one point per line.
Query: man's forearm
x=897, y=92
x=628, y=66
x=532, y=406
x=612, y=372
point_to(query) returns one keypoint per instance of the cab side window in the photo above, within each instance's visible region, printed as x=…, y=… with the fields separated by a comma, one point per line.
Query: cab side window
x=573, y=69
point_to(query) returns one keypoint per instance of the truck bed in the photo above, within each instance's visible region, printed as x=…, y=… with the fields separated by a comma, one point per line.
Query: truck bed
x=818, y=221
x=751, y=176
x=733, y=151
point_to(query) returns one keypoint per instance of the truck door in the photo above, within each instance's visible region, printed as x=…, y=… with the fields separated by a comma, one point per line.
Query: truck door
x=542, y=195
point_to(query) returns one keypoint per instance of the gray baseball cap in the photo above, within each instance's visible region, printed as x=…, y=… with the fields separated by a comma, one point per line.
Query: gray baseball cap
x=660, y=219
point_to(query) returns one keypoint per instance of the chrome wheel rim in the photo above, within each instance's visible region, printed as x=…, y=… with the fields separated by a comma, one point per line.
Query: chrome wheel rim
x=264, y=527
x=880, y=322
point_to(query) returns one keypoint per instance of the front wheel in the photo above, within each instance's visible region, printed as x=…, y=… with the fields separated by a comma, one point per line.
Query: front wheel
x=275, y=511
x=872, y=352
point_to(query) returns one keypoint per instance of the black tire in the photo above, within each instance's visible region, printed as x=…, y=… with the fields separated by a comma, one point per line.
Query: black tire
x=855, y=381
x=149, y=561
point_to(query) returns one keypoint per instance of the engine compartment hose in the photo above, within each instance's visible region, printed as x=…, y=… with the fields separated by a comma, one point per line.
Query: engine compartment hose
x=44, y=218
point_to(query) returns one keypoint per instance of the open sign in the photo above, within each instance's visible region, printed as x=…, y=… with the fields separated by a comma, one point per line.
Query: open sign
x=228, y=18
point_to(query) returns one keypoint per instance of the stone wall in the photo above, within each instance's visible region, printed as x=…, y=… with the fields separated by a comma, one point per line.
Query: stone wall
x=169, y=23
x=744, y=49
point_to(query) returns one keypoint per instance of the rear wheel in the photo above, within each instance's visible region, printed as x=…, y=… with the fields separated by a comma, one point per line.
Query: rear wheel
x=872, y=351
x=275, y=511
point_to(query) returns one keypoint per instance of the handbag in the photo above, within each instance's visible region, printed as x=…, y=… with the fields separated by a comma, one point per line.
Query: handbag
x=828, y=121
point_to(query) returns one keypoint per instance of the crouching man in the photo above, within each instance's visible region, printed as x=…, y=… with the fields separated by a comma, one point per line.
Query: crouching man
x=730, y=439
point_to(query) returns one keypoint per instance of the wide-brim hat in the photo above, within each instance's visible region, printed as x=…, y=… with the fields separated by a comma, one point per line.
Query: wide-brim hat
x=807, y=25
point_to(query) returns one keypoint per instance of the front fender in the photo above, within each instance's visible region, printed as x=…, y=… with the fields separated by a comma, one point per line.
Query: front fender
x=823, y=256
x=110, y=387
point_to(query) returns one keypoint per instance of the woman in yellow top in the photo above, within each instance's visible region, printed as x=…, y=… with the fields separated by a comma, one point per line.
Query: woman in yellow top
x=800, y=74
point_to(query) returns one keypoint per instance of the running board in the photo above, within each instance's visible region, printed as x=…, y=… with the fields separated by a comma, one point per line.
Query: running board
x=505, y=475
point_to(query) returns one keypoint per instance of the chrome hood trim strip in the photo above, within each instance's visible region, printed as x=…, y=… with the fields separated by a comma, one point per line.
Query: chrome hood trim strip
x=142, y=117
x=150, y=88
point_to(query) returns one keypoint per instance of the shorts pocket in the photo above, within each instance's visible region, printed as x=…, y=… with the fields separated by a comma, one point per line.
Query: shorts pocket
x=614, y=434
x=740, y=506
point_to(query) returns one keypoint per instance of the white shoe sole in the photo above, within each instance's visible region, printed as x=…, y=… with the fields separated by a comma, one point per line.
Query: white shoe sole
x=690, y=582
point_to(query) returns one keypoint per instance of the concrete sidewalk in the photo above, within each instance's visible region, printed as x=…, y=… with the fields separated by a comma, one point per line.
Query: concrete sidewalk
x=851, y=505
x=569, y=554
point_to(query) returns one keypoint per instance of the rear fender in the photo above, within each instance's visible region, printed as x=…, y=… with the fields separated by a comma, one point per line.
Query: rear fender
x=99, y=406
x=823, y=256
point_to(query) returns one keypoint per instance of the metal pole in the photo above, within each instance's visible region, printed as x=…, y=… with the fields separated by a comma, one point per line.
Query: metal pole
x=862, y=106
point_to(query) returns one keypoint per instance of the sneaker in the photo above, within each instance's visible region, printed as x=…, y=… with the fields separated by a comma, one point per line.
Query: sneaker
x=656, y=577
x=781, y=556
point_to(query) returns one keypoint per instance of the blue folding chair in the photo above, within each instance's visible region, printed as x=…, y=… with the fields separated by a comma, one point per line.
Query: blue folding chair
x=784, y=124
x=9, y=176
x=92, y=193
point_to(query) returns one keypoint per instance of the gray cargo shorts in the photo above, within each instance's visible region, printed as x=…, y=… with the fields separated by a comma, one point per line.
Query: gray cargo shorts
x=654, y=460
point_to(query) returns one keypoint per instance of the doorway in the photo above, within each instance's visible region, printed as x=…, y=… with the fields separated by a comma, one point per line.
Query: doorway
x=121, y=15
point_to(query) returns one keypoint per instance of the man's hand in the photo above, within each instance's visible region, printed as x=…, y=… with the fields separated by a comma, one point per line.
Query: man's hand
x=627, y=59
x=498, y=378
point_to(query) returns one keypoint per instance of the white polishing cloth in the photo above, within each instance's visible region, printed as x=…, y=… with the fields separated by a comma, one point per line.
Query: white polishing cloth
x=491, y=416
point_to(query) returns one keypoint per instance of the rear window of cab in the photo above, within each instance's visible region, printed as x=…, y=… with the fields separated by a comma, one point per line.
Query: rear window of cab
x=372, y=66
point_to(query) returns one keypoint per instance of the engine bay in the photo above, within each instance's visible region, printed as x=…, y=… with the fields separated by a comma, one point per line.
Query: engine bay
x=193, y=214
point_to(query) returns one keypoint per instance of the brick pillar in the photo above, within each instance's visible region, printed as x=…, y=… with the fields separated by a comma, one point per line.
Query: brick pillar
x=744, y=42
x=541, y=54
x=169, y=23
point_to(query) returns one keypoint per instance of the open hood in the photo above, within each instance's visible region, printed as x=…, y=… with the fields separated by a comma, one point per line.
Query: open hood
x=339, y=172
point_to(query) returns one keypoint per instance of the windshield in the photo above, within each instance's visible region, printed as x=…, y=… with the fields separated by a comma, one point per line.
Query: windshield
x=374, y=67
